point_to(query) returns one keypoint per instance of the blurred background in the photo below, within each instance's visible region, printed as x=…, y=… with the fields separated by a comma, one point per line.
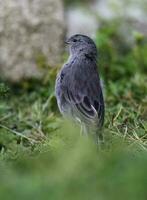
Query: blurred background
x=43, y=157
x=32, y=33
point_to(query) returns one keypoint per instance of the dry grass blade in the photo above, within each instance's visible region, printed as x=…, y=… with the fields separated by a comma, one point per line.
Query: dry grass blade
x=32, y=141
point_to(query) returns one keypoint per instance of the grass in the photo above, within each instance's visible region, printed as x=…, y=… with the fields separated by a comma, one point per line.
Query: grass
x=43, y=157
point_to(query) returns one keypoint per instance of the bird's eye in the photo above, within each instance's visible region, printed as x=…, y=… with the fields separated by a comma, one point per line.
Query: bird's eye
x=74, y=40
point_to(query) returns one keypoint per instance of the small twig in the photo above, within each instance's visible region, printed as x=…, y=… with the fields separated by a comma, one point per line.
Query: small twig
x=19, y=134
x=137, y=141
x=117, y=114
x=38, y=129
x=5, y=117
x=46, y=104
x=134, y=141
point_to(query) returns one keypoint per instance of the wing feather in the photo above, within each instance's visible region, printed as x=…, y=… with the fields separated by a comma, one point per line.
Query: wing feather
x=83, y=92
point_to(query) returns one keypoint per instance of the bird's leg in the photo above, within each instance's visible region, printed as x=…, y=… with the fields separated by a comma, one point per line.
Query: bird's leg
x=81, y=131
x=84, y=130
x=99, y=140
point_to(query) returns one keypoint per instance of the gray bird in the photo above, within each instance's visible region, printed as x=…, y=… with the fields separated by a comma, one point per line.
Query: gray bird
x=78, y=88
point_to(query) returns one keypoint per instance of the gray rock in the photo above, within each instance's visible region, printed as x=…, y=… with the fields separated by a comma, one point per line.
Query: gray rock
x=29, y=29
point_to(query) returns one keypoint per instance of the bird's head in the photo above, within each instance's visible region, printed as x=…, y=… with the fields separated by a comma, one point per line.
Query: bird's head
x=81, y=43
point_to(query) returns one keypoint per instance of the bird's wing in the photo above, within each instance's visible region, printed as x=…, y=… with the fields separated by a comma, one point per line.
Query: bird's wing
x=83, y=92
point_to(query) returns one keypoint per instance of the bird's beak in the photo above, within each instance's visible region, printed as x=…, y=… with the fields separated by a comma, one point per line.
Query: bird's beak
x=67, y=42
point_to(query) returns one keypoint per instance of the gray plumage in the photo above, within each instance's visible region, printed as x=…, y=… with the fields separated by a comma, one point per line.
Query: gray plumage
x=78, y=89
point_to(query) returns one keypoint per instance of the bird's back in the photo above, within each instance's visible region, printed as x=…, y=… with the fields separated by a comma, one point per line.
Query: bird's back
x=78, y=91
